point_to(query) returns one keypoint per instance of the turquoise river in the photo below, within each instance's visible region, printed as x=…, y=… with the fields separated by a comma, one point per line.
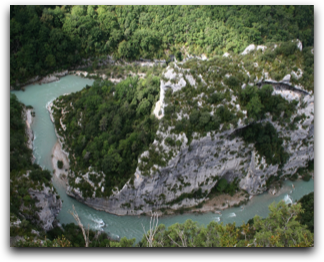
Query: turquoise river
x=39, y=96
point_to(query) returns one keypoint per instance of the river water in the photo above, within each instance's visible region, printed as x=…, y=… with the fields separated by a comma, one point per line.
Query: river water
x=39, y=96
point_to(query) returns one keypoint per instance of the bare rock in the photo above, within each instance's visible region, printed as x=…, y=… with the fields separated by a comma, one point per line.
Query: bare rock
x=50, y=205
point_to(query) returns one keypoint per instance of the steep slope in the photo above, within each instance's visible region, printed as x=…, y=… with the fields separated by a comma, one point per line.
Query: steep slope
x=221, y=118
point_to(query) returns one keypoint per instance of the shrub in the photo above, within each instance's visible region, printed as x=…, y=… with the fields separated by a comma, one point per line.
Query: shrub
x=221, y=185
x=170, y=141
x=59, y=164
x=194, y=117
x=232, y=82
x=224, y=114
x=266, y=141
x=41, y=176
x=286, y=49
x=215, y=98
x=307, y=177
x=178, y=56
x=293, y=177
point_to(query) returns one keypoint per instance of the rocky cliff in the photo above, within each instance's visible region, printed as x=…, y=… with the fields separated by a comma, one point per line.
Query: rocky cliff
x=198, y=166
x=202, y=164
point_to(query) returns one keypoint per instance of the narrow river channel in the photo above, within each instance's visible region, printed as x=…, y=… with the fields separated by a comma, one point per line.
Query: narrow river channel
x=39, y=96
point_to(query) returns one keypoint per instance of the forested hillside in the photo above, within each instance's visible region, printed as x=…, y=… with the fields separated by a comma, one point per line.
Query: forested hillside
x=47, y=38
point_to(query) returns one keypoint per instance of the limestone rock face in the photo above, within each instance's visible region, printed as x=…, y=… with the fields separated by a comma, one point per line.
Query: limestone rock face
x=253, y=47
x=50, y=206
x=248, y=49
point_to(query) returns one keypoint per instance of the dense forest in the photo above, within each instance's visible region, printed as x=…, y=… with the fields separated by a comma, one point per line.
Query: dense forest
x=20, y=154
x=108, y=126
x=48, y=38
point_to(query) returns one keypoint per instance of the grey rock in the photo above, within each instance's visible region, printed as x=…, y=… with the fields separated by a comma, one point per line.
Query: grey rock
x=49, y=204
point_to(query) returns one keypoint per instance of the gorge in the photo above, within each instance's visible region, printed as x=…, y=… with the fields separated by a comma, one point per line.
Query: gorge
x=122, y=227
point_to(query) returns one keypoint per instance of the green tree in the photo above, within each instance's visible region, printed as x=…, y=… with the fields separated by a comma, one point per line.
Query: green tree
x=50, y=61
x=254, y=107
x=221, y=185
x=59, y=164
x=124, y=242
x=281, y=228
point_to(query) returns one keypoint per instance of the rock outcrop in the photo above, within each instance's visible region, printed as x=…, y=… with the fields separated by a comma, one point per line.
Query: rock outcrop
x=252, y=47
x=50, y=205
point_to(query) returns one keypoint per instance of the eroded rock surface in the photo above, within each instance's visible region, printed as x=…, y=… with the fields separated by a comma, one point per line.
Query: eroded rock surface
x=50, y=205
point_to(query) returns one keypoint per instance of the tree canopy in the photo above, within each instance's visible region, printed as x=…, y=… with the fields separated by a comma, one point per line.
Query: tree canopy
x=281, y=228
x=108, y=127
x=46, y=38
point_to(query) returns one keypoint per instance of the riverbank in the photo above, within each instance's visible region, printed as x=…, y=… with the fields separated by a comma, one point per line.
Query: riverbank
x=55, y=76
x=58, y=154
x=60, y=139
x=213, y=204
x=95, y=75
x=108, y=61
x=29, y=119
x=42, y=80
x=104, y=76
